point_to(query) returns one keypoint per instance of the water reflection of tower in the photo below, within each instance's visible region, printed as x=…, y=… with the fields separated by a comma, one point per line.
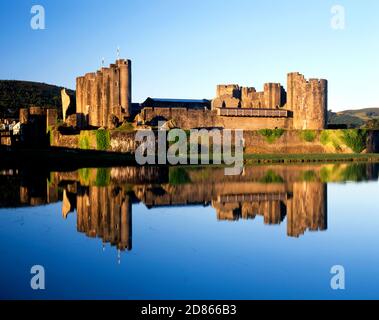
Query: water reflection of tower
x=105, y=212
x=304, y=204
x=307, y=210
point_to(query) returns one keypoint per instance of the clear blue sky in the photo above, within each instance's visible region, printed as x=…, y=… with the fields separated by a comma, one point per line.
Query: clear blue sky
x=183, y=49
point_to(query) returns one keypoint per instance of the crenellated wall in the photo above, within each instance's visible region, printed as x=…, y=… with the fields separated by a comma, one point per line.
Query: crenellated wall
x=233, y=96
x=305, y=100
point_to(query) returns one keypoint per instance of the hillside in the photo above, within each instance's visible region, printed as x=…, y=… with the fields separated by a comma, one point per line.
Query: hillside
x=355, y=118
x=20, y=94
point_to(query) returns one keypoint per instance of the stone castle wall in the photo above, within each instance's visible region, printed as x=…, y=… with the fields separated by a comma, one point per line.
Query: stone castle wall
x=255, y=142
x=104, y=97
x=192, y=119
x=305, y=99
x=308, y=102
x=233, y=96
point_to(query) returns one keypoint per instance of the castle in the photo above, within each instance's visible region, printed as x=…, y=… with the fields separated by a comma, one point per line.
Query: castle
x=104, y=100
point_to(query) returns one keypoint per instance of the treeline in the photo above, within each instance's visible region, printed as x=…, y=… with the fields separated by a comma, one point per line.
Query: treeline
x=24, y=94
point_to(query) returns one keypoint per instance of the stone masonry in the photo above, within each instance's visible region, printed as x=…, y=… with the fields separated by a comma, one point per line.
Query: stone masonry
x=304, y=103
x=308, y=101
x=104, y=97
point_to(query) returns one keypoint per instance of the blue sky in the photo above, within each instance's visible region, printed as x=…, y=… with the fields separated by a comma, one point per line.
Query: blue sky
x=183, y=49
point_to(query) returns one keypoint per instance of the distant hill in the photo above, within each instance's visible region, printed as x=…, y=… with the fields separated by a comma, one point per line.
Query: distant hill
x=354, y=118
x=21, y=94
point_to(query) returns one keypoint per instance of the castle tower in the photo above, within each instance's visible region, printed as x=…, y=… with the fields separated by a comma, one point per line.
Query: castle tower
x=273, y=95
x=308, y=100
x=125, y=67
x=105, y=95
x=307, y=210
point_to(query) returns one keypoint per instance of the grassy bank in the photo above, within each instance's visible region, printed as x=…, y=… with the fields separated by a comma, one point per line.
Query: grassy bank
x=309, y=158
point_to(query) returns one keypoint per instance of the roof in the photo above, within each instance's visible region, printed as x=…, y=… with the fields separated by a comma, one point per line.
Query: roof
x=178, y=100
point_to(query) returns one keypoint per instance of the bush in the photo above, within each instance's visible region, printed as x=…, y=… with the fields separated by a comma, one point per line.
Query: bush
x=309, y=176
x=103, y=140
x=178, y=176
x=102, y=177
x=308, y=135
x=272, y=177
x=355, y=139
x=126, y=127
x=84, y=176
x=84, y=140
x=271, y=135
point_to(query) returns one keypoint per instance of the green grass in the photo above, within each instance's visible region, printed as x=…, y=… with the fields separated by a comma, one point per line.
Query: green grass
x=102, y=177
x=271, y=177
x=103, y=140
x=308, y=135
x=84, y=175
x=178, y=176
x=271, y=135
x=84, y=140
x=355, y=139
x=308, y=176
x=126, y=127
x=308, y=158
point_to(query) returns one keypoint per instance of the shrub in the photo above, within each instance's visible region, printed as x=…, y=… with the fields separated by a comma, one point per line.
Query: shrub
x=355, y=139
x=103, y=141
x=271, y=177
x=178, y=176
x=355, y=172
x=102, y=177
x=126, y=127
x=309, y=176
x=308, y=135
x=84, y=140
x=271, y=135
x=84, y=176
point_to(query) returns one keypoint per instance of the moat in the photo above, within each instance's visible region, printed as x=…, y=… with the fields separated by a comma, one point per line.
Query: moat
x=274, y=231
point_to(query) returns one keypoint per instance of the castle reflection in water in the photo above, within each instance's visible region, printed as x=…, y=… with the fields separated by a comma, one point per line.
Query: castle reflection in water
x=102, y=198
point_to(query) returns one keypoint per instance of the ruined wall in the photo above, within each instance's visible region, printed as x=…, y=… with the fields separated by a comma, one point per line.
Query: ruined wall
x=232, y=96
x=308, y=99
x=104, y=98
x=33, y=130
x=255, y=142
x=190, y=119
x=228, y=96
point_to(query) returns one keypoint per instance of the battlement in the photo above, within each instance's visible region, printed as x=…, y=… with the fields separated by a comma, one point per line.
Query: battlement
x=306, y=100
x=229, y=90
x=234, y=96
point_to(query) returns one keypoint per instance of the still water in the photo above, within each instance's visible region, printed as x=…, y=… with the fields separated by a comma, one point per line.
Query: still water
x=274, y=232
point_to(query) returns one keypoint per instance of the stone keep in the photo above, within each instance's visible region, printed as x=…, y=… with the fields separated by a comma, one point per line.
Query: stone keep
x=105, y=95
x=308, y=100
